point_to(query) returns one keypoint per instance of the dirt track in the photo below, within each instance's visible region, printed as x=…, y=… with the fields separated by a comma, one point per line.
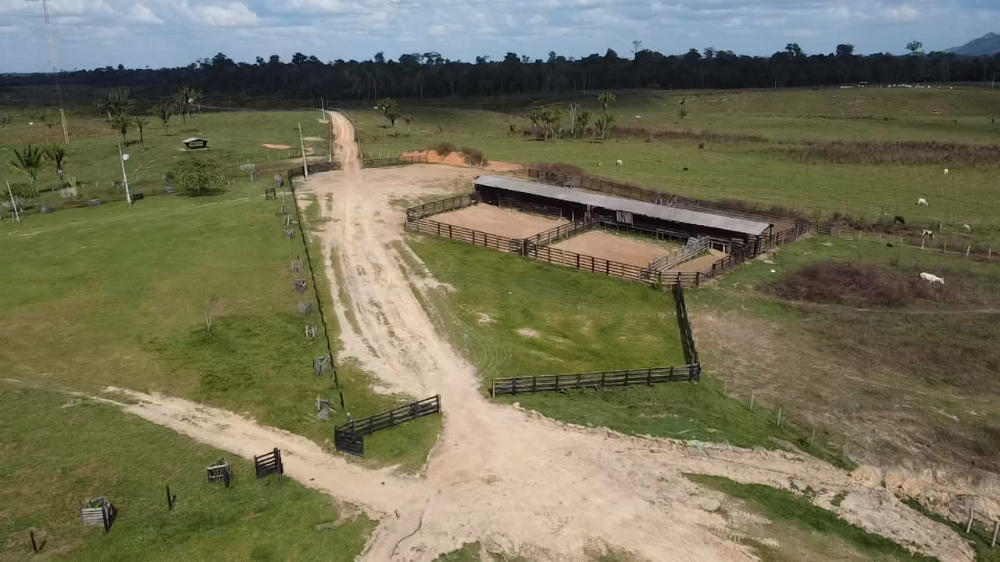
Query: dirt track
x=510, y=478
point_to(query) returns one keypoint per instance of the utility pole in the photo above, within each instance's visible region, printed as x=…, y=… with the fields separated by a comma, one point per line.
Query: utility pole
x=13, y=204
x=122, y=157
x=305, y=163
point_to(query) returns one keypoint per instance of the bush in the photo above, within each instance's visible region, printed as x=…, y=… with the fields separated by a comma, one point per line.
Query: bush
x=445, y=148
x=858, y=284
x=195, y=176
x=558, y=168
x=473, y=157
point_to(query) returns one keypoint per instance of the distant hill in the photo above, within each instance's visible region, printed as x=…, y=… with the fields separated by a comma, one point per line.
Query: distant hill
x=985, y=45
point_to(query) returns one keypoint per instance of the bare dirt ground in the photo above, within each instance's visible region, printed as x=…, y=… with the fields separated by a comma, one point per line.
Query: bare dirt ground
x=503, y=222
x=514, y=480
x=607, y=246
x=702, y=264
x=458, y=159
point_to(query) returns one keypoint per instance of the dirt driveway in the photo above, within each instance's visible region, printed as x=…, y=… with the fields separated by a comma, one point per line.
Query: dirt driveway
x=510, y=478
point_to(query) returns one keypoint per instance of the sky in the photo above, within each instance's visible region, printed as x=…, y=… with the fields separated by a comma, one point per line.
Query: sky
x=161, y=33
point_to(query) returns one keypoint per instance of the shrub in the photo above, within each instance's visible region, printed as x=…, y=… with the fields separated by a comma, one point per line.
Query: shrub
x=558, y=168
x=445, y=148
x=473, y=157
x=869, y=284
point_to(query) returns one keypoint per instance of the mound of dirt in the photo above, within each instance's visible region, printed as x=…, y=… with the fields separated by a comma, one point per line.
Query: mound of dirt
x=863, y=284
x=458, y=159
x=276, y=146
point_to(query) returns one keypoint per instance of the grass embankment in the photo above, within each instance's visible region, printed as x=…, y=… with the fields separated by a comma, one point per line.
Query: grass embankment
x=234, y=138
x=117, y=296
x=914, y=378
x=802, y=531
x=980, y=537
x=59, y=450
x=781, y=165
x=514, y=317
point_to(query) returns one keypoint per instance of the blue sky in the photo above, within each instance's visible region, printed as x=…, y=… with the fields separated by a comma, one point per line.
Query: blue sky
x=157, y=33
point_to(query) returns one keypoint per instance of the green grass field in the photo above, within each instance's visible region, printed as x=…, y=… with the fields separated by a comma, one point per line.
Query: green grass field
x=116, y=296
x=763, y=171
x=515, y=317
x=92, y=159
x=58, y=450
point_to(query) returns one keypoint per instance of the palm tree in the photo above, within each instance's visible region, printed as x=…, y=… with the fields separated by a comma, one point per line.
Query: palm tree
x=605, y=98
x=604, y=125
x=163, y=112
x=28, y=161
x=183, y=99
x=139, y=123
x=121, y=123
x=581, y=122
x=56, y=153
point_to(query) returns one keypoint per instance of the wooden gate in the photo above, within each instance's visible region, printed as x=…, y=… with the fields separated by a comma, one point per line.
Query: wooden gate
x=268, y=464
x=349, y=442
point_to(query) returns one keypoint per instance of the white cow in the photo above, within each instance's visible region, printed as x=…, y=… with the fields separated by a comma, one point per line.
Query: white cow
x=599, y=164
x=946, y=171
x=967, y=228
x=926, y=232
x=931, y=278
x=618, y=163
x=922, y=202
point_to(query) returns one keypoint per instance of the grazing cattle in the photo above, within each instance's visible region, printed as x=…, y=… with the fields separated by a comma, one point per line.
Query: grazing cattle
x=899, y=220
x=946, y=171
x=618, y=163
x=926, y=232
x=931, y=278
x=599, y=164
x=922, y=202
x=967, y=228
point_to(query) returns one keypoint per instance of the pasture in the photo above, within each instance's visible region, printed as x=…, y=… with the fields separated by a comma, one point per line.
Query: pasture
x=810, y=150
x=59, y=450
x=117, y=296
x=513, y=317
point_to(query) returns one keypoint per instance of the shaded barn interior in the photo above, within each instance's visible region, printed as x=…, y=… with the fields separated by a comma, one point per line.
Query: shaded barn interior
x=578, y=205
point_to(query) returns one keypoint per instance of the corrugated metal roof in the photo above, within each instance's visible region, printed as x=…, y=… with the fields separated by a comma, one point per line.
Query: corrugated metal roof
x=641, y=208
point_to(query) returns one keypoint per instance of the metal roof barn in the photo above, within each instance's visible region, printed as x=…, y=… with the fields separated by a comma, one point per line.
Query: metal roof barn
x=640, y=208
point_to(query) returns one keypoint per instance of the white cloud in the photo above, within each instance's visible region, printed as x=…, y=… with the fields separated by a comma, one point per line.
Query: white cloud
x=904, y=13
x=141, y=13
x=230, y=14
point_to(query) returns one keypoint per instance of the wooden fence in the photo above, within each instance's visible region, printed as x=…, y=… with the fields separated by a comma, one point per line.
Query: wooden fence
x=684, y=324
x=560, y=232
x=442, y=206
x=596, y=379
x=530, y=208
x=350, y=436
x=624, y=271
x=468, y=235
x=692, y=249
x=268, y=464
x=395, y=161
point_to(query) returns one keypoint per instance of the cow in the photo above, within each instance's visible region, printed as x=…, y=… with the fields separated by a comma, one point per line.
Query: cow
x=931, y=278
x=922, y=202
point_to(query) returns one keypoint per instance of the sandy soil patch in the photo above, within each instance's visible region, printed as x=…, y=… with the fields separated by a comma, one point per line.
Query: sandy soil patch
x=608, y=246
x=702, y=264
x=313, y=139
x=528, y=332
x=503, y=222
x=458, y=159
x=277, y=146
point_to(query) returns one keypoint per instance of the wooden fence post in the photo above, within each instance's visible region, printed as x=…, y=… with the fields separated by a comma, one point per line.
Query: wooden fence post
x=972, y=514
x=996, y=527
x=751, y=400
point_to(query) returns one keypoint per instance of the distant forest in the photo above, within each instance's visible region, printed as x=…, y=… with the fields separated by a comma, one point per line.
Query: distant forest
x=429, y=75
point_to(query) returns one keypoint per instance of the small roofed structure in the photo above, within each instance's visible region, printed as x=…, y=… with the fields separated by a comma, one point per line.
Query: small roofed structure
x=195, y=142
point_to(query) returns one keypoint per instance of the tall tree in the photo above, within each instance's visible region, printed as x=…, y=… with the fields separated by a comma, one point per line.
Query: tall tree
x=184, y=100
x=845, y=50
x=140, y=123
x=121, y=123
x=604, y=123
x=390, y=109
x=28, y=161
x=195, y=176
x=163, y=111
x=915, y=47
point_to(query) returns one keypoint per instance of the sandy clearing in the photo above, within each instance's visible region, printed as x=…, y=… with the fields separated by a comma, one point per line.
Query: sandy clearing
x=608, y=246
x=458, y=159
x=514, y=480
x=503, y=222
x=277, y=146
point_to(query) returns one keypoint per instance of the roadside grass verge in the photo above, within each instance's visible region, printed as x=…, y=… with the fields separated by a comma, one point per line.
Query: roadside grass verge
x=918, y=377
x=805, y=532
x=514, y=317
x=59, y=450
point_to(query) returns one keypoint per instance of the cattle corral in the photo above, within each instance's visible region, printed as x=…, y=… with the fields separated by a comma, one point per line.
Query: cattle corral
x=509, y=223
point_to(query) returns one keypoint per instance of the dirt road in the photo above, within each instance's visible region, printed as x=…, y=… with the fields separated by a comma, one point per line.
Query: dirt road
x=510, y=478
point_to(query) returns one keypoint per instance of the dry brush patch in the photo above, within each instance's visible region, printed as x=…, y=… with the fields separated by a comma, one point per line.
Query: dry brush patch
x=862, y=284
x=898, y=152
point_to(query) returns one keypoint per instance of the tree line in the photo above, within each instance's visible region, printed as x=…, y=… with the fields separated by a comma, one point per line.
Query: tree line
x=429, y=75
